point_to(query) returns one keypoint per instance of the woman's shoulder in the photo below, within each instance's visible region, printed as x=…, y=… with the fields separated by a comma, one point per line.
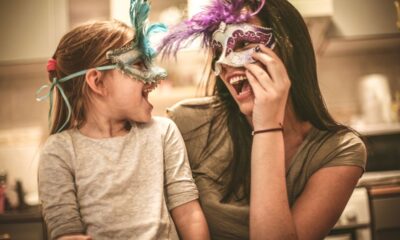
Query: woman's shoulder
x=343, y=147
x=192, y=114
x=345, y=140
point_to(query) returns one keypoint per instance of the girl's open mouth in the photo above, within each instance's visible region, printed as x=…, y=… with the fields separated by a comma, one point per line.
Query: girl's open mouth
x=147, y=88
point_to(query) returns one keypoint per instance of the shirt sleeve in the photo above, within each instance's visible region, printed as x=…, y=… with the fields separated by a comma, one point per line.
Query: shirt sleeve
x=347, y=150
x=179, y=184
x=57, y=192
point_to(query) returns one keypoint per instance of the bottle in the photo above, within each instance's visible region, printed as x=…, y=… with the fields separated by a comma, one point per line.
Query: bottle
x=396, y=108
x=3, y=182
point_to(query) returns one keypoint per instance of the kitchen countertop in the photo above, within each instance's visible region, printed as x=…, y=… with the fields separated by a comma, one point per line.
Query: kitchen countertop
x=379, y=178
x=377, y=129
x=30, y=214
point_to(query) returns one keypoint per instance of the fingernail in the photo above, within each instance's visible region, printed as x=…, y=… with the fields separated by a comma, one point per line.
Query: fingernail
x=257, y=48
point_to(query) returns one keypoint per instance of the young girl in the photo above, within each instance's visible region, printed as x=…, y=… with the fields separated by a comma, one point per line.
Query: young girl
x=109, y=170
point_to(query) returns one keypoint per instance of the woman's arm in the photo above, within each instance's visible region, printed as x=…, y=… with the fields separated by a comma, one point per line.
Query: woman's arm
x=190, y=221
x=325, y=194
x=322, y=201
x=270, y=216
x=314, y=213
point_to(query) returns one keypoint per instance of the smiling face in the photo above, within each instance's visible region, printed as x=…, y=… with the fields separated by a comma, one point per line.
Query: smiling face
x=232, y=46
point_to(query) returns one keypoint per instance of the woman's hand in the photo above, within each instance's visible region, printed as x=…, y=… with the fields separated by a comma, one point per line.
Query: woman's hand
x=270, y=83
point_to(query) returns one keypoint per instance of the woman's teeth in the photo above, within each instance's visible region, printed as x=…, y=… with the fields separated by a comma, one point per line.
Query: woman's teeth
x=237, y=79
x=237, y=83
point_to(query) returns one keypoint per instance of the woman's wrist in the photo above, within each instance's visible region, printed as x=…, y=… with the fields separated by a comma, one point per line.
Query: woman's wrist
x=279, y=128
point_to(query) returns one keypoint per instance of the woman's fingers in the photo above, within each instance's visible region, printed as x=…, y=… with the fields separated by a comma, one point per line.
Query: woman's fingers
x=273, y=64
x=261, y=76
x=255, y=84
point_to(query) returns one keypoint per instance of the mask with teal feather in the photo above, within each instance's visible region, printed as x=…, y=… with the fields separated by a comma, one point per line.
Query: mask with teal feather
x=140, y=50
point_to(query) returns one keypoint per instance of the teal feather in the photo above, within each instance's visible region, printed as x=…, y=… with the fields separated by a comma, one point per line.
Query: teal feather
x=152, y=29
x=139, y=11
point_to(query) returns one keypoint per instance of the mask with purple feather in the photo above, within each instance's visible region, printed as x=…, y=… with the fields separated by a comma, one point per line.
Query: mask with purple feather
x=204, y=24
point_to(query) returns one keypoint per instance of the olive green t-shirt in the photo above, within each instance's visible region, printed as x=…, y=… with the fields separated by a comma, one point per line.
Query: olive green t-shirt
x=209, y=157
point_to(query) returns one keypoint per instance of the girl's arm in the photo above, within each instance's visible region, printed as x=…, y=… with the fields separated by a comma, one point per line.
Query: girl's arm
x=190, y=221
x=181, y=191
x=75, y=237
x=57, y=191
x=325, y=194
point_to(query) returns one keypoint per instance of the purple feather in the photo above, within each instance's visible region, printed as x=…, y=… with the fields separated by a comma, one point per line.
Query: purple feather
x=204, y=24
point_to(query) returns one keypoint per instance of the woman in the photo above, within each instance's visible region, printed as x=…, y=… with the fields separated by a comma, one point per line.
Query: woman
x=269, y=160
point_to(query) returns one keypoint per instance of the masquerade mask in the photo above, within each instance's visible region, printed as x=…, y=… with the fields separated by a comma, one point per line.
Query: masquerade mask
x=229, y=44
x=141, y=49
x=205, y=23
x=125, y=60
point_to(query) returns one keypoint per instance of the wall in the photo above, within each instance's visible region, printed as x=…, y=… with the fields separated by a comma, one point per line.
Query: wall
x=339, y=76
x=32, y=28
x=31, y=31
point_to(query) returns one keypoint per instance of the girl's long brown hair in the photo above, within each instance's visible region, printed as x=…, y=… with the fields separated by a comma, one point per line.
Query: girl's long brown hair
x=84, y=47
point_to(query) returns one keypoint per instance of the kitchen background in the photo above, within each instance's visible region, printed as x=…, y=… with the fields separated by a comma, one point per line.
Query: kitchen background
x=357, y=43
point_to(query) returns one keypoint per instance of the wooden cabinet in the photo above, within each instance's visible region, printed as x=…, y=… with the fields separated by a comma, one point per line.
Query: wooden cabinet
x=23, y=225
x=385, y=210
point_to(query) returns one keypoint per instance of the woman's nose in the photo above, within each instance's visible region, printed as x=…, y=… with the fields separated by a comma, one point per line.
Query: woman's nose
x=225, y=68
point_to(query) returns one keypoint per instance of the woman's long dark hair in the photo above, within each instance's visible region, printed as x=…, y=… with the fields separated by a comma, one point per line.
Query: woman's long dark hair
x=295, y=49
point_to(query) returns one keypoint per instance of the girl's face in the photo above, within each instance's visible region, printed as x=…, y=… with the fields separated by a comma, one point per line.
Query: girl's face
x=232, y=48
x=127, y=97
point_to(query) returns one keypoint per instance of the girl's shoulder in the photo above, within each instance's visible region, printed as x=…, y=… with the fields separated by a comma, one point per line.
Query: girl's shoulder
x=157, y=126
x=58, y=150
x=58, y=141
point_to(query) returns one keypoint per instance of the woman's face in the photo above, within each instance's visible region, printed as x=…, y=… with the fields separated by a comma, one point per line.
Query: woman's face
x=232, y=48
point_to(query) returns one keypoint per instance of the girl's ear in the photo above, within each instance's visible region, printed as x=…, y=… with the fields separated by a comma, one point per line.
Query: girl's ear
x=95, y=81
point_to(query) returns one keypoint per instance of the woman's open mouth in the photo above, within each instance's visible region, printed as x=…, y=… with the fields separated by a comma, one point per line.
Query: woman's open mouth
x=241, y=84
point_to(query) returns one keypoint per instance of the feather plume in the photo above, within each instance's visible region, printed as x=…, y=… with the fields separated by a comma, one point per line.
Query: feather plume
x=139, y=11
x=203, y=25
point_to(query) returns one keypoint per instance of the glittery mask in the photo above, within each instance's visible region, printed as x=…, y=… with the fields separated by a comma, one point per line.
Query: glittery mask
x=229, y=44
x=126, y=58
x=141, y=49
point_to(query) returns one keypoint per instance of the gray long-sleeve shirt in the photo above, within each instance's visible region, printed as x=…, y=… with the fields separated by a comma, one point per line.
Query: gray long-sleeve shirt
x=115, y=188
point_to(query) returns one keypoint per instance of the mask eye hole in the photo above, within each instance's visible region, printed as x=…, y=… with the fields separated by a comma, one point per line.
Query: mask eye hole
x=242, y=45
x=140, y=65
x=216, y=49
x=216, y=53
